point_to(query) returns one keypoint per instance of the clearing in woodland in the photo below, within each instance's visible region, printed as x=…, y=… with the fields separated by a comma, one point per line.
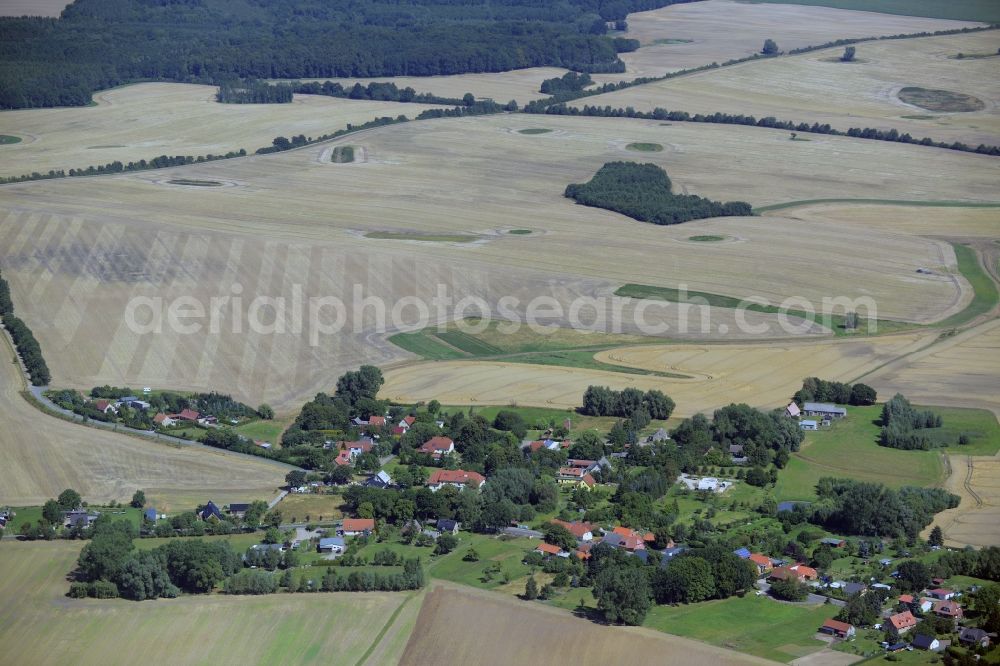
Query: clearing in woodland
x=460, y=614
x=146, y=120
x=38, y=624
x=817, y=88
x=74, y=264
x=44, y=455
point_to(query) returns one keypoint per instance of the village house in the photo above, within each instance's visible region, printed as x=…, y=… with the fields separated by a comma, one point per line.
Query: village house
x=792, y=410
x=628, y=539
x=164, y=421
x=833, y=542
x=186, y=415
x=210, y=511
x=357, y=527
x=333, y=545
x=376, y=421
x=80, y=518
x=548, y=550
x=941, y=593
x=105, y=407
x=925, y=642
x=974, y=637
x=762, y=562
x=455, y=477
x=150, y=514
x=380, y=480
x=950, y=610
x=808, y=424
x=575, y=476
x=824, y=410
x=661, y=435
x=444, y=525
x=581, y=530
x=900, y=623
x=406, y=422
x=239, y=509
x=837, y=628
x=438, y=446
x=799, y=572
x=207, y=420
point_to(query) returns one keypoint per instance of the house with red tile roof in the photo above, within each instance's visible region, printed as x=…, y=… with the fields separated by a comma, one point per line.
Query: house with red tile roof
x=187, y=415
x=762, y=562
x=357, y=526
x=547, y=549
x=163, y=420
x=581, y=530
x=105, y=406
x=455, y=477
x=804, y=572
x=376, y=421
x=837, y=628
x=902, y=622
x=438, y=446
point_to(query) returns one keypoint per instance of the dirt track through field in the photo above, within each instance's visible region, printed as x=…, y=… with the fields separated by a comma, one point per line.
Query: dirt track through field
x=976, y=521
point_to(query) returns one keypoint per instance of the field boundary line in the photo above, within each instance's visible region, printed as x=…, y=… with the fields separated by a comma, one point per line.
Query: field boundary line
x=877, y=202
x=385, y=628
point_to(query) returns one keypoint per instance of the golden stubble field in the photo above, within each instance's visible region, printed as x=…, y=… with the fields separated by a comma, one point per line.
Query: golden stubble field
x=763, y=375
x=32, y=7
x=816, y=87
x=960, y=371
x=39, y=625
x=721, y=30
x=520, y=632
x=44, y=455
x=976, y=521
x=146, y=120
x=904, y=220
x=277, y=221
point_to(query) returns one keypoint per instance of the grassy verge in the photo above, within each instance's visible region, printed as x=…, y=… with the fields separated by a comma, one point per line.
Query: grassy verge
x=879, y=202
x=985, y=296
x=266, y=431
x=707, y=239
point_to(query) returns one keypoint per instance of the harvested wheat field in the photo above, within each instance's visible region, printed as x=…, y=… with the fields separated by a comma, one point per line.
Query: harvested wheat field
x=961, y=371
x=32, y=7
x=709, y=27
x=449, y=630
x=44, y=455
x=817, y=88
x=976, y=521
x=905, y=220
x=763, y=375
x=290, y=221
x=39, y=625
x=146, y=120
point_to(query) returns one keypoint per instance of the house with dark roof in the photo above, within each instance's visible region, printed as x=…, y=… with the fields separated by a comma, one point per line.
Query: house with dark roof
x=80, y=518
x=925, y=642
x=742, y=553
x=850, y=589
x=238, y=509
x=833, y=542
x=210, y=511
x=974, y=637
x=668, y=554
x=334, y=545
x=446, y=525
x=150, y=514
x=824, y=409
x=380, y=480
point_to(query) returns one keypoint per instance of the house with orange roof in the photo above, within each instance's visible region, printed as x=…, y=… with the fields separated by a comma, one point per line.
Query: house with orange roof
x=458, y=478
x=837, y=628
x=438, y=446
x=357, y=527
x=762, y=562
x=804, y=572
x=548, y=550
x=900, y=623
x=581, y=530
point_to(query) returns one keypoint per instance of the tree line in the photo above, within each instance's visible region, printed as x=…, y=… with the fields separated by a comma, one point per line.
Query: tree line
x=24, y=340
x=893, y=135
x=96, y=45
x=642, y=192
x=383, y=91
x=254, y=92
x=604, y=401
x=815, y=389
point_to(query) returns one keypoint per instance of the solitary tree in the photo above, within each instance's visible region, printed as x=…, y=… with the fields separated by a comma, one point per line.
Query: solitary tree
x=138, y=499
x=936, y=537
x=531, y=589
x=265, y=412
x=848, y=54
x=69, y=499
x=770, y=47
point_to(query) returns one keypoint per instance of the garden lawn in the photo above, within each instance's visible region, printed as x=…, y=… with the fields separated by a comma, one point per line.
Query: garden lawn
x=509, y=552
x=755, y=625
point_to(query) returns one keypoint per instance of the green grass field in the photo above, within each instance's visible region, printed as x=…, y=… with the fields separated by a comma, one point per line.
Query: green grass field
x=849, y=449
x=986, y=11
x=645, y=147
x=707, y=239
x=267, y=431
x=32, y=514
x=985, y=294
x=508, y=552
x=755, y=625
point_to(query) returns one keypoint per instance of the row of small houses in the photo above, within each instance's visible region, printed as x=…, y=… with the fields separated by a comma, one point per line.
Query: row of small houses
x=627, y=539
